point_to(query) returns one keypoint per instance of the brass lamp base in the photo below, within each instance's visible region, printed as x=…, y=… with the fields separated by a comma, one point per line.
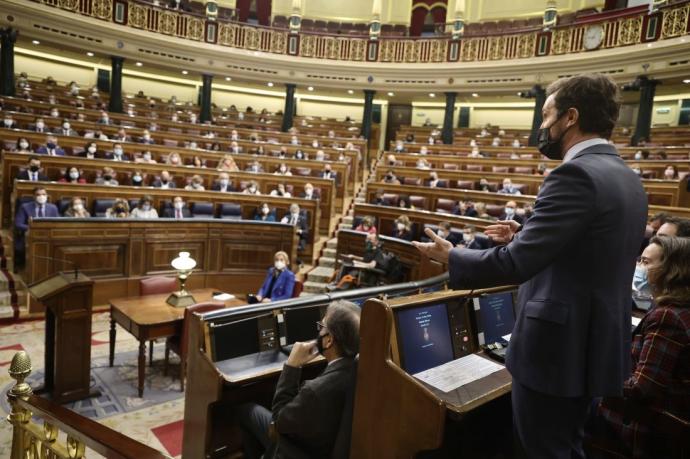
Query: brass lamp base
x=180, y=299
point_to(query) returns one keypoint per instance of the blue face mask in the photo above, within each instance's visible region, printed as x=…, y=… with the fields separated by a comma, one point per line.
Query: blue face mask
x=641, y=295
x=640, y=281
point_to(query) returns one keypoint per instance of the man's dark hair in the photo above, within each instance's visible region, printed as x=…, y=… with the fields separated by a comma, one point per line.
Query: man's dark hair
x=662, y=217
x=39, y=188
x=445, y=225
x=682, y=226
x=343, y=325
x=596, y=98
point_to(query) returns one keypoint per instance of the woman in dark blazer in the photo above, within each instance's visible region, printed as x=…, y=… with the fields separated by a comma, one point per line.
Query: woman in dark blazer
x=660, y=377
x=264, y=214
x=279, y=282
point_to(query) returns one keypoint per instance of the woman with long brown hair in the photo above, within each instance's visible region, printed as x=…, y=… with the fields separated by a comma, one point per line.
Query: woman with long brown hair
x=660, y=378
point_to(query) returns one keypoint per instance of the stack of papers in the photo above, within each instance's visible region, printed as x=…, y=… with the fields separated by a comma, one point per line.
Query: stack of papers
x=459, y=372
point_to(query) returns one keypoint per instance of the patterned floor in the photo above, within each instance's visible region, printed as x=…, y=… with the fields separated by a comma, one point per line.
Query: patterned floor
x=155, y=419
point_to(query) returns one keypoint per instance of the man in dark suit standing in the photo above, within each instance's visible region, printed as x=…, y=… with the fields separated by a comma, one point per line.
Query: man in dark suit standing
x=575, y=258
x=33, y=171
x=38, y=208
x=307, y=416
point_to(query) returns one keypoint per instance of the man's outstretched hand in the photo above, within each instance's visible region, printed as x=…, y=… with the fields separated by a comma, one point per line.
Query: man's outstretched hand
x=438, y=249
x=503, y=231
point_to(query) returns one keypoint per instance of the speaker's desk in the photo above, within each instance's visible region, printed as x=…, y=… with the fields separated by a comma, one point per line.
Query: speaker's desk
x=150, y=317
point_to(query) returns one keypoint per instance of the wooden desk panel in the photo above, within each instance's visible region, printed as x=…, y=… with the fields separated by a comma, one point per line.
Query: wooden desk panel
x=54, y=167
x=117, y=254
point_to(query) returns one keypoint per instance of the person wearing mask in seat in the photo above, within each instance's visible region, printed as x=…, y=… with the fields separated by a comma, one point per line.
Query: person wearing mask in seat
x=444, y=232
x=164, y=182
x=33, y=171
x=355, y=270
x=509, y=213
x=51, y=148
x=146, y=138
x=279, y=282
x=9, y=122
x=90, y=151
x=509, y=188
x=120, y=209
x=298, y=219
x=66, y=129
x=366, y=225
x=137, y=179
x=196, y=184
x=402, y=228
x=145, y=209
x=283, y=169
x=252, y=188
x=264, y=214
x=39, y=126
x=390, y=178
x=309, y=192
x=72, y=175
x=223, y=184
x=117, y=154
x=281, y=191
x=23, y=145
x=76, y=209
x=178, y=210
x=307, y=417
x=107, y=178
x=470, y=240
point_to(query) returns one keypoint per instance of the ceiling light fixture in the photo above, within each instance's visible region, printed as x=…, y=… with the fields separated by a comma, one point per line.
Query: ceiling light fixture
x=35, y=42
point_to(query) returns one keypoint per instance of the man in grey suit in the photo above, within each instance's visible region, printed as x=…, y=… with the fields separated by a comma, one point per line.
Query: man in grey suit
x=574, y=258
x=308, y=419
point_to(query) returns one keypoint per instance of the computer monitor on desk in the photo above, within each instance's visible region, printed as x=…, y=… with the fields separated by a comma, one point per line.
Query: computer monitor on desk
x=495, y=316
x=432, y=334
x=242, y=337
x=299, y=324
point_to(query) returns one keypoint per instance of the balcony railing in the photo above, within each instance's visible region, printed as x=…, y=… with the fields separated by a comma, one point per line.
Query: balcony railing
x=630, y=27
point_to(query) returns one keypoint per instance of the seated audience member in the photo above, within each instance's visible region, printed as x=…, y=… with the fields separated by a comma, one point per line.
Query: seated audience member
x=508, y=188
x=390, y=178
x=32, y=171
x=227, y=163
x=215, y=146
x=327, y=172
x=39, y=126
x=280, y=191
x=145, y=209
x=444, y=231
x=423, y=150
x=178, y=210
x=671, y=172
x=409, y=138
x=137, y=179
x=146, y=137
x=122, y=136
x=319, y=155
x=254, y=166
x=378, y=198
x=299, y=154
x=223, y=183
x=675, y=226
x=404, y=202
x=146, y=158
x=360, y=271
x=51, y=148
x=656, y=221
x=234, y=135
x=434, y=181
x=72, y=175
x=660, y=357
x=391, y=160
x=309, y=192
x=120, y=209
x=76, y=209
x=423, y=164
x=469, y=239
x=516, y=142
x=107, y=177
x=260, y=150
x=366, y=225
x=252, y=188
x=235, y=148
x=402, y=228
x=66, y=129
x=283, y=169
x=38, y=208
x=103, y=118
x=466, y=209
x=198, y=162
x=164, y=182
x=636, y=169
x=263, y=213
x=509, y=213
x=54, y=112
x=98, y=135
x=195, y=184
x=90, y=151
x=23, y=145
x=9, y=122
x=279, y=282
x=118, y=154
x=641, y=154
x=307, y=416
x=480, y=208
x=174, y=159
x=298, y=219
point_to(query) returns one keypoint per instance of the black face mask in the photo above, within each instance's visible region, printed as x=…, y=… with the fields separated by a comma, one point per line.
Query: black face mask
x=319, y=343
x=33, y=168
x=107, y=177
x=552, y=149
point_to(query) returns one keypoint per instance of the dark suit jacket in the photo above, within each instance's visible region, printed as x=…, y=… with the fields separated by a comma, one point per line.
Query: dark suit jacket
x=157, y=184
x=28, y=210
x=169, y=212
x=216, y=187
x=111, y=156
x=574, y=258
x=518, y=218
x=308, y=419
x=24, y=175
x=43, y=150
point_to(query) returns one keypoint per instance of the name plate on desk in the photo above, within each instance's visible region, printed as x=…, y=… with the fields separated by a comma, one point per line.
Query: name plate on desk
x=458, y=372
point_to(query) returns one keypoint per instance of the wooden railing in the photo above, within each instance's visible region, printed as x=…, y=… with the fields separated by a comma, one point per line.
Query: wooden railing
x=31, y=441
x=629, y=27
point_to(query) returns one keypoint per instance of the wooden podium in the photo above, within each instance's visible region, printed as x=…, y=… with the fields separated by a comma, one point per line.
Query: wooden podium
x=68, y=301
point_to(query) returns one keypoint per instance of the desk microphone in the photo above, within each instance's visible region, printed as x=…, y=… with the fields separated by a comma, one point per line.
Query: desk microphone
x=76, y=268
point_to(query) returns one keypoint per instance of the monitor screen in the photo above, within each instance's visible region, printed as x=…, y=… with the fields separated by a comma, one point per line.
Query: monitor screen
x=495, y=317
x=424, y=337
x=300, y=323
x=235, y=339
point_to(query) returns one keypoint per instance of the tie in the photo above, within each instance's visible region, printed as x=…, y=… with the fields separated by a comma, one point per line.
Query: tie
x=40, y=212
x=293, y=222
x=34, y=176
x=178, y=213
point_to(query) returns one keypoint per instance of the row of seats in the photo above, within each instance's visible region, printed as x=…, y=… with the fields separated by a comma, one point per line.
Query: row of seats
x=443, y=205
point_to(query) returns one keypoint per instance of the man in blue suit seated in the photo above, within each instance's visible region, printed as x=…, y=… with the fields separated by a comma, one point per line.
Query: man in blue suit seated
x=38, y=208
x=51, y=148
x=574, y=258
x=279, y=282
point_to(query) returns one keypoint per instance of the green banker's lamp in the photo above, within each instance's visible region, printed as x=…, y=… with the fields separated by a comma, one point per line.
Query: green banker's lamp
x=184, y=264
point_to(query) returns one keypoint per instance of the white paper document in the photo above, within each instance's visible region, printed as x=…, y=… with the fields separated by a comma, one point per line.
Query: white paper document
x=507, y=337
x=636, y=321
x=458, y=372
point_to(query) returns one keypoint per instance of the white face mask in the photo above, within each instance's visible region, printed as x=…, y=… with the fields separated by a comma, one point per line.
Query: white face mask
x=224, y=182
x=41, y=199
x=668, y=174
x=92, y=150
x=308, y=191
x=23, y=145
x=509, y=211
x=54, y=114
x=146, y=207
x=279, y=264
x=466, y=237
x=78, y=207
x=179, y=205
x=264, y=210
x=441, y=233
x=401, y=226
x=118, y=151
x=40, y=124
x=8, y=121
x=65, y=126
x=74, y=175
